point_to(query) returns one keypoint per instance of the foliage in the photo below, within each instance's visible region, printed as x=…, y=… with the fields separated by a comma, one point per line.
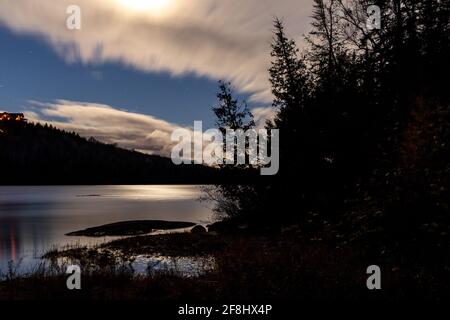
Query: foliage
x=363, y=117
x=41, y=154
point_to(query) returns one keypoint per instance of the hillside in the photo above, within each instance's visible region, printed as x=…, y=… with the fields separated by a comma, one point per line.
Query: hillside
x=41, y=154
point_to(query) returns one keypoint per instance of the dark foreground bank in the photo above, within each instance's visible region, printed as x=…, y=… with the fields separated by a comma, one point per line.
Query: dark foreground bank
x=266, y=267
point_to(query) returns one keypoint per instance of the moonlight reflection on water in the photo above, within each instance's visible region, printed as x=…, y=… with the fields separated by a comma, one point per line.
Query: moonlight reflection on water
x=36, y=219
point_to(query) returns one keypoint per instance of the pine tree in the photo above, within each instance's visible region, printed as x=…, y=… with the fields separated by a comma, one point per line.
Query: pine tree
x=288, y=74
x=232, y=200
x=229, y=112
x=289, y=80
x=291, y=89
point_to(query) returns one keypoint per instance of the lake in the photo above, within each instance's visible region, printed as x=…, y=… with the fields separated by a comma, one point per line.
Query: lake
x=34, y=219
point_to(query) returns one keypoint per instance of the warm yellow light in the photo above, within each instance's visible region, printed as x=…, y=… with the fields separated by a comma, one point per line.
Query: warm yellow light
x=154, y=6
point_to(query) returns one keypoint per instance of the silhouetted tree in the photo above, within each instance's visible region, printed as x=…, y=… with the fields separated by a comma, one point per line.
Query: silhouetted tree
x=232, y=200
x=230, y=114
x=363, y=116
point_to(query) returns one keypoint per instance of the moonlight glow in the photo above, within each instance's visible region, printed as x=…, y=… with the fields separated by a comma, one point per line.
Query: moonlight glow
x=154, y=6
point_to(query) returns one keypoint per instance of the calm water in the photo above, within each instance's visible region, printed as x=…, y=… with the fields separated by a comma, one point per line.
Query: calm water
x=35, y=219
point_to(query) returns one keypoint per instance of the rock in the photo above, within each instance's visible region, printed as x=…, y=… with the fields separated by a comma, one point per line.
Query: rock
x=229, y=226
x=131, y=228
x=199, y=229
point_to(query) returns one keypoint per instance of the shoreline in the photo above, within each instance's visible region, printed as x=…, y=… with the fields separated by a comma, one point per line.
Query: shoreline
x=131, y=228
x=226, y=266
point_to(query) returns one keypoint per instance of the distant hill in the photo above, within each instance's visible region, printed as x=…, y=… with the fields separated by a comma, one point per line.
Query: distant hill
x=42, y=154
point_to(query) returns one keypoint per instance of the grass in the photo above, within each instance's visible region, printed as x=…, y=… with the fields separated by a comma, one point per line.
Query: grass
x=247, y=267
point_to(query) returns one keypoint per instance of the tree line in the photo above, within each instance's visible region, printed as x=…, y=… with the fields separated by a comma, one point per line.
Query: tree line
x=364, y=125
x=40, y=154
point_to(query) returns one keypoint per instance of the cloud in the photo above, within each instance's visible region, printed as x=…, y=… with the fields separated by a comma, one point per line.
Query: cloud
x=128, y=130
x=227, y=40
x=107, y=124
x=262, y=114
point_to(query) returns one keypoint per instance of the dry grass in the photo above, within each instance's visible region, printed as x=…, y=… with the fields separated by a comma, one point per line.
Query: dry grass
x=250, y=267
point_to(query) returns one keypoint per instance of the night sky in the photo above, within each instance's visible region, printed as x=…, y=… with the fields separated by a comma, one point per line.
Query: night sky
x=31, y=71
x=149, y=66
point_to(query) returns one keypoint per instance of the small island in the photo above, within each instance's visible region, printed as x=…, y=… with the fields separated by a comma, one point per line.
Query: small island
x=131, y=228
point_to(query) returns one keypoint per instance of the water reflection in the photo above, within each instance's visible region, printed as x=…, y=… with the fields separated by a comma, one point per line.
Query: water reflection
x=35, y=219
x=8, y=245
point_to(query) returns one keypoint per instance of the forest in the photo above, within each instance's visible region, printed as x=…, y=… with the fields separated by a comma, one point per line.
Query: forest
x=364, y=177
x=39, y=154
x=364, y=126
